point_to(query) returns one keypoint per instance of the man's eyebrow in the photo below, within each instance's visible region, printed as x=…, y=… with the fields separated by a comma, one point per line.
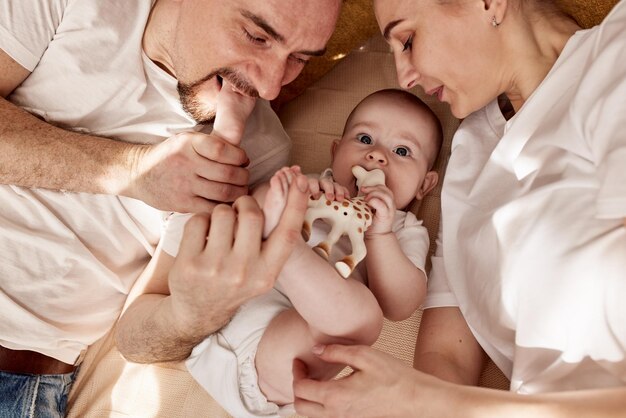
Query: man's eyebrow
x=263, y=24
x=267, y=28
x=390, y=26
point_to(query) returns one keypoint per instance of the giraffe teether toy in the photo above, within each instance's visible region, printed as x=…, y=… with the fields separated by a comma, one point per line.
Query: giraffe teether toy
x=351, y=217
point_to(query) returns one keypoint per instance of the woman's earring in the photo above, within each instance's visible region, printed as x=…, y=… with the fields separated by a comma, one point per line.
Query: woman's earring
x=494, y=22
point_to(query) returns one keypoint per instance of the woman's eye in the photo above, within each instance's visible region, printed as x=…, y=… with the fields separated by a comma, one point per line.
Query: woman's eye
x=364, y=139
x=402, y=151
x=407, y=44
x=254, y=39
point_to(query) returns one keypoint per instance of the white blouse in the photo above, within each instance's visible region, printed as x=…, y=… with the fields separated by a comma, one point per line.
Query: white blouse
x=533, y=247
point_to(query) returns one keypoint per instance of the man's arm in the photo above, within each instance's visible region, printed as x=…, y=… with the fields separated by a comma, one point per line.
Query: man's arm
x=222, y=263
x=184, y=173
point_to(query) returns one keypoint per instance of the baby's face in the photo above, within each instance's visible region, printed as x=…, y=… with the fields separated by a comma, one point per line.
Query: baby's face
x=392, y=135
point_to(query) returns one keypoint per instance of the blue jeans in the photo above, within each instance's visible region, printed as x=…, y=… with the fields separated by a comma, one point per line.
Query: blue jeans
x=34, y=396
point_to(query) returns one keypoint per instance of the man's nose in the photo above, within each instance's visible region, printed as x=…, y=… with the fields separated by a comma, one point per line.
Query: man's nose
x=271, y=78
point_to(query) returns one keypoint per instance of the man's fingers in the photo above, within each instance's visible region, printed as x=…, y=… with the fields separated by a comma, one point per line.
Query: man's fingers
x=249, y=228
x=219, y=192
x=199, y=205
x=220, y=239
x=223, y=173
x=281, y=241
x=214, y=148
x=194, y=235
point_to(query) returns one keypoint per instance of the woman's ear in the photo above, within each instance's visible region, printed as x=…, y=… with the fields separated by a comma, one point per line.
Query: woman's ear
x=430, y=181
x=496, y=11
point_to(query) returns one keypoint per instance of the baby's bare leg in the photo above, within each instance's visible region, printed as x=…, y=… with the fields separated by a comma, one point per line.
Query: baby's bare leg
x=286, y=338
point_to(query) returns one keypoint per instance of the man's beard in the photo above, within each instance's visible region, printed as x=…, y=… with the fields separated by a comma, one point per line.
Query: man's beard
x=201, y=111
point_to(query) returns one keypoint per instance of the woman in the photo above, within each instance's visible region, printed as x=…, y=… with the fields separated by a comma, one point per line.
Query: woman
x=531, y=264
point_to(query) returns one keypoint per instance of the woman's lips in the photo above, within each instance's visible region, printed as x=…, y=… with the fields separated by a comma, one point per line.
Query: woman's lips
x=437, y=92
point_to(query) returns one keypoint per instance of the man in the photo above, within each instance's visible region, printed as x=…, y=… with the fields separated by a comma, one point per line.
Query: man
x=104, y=101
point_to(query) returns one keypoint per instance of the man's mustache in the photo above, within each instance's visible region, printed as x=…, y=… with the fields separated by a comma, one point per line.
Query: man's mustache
x=237, y=80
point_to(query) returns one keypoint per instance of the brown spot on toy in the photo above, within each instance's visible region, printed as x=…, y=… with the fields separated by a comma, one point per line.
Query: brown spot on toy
x=348, y=221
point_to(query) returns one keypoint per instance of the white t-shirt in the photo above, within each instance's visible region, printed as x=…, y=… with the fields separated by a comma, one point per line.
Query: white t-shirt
x=534, y=248
x=68, y=260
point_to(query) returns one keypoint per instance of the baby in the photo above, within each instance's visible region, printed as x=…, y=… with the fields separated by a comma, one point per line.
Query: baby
x=247, y=365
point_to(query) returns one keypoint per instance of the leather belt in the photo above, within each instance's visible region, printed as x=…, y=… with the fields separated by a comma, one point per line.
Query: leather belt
x=30, y=362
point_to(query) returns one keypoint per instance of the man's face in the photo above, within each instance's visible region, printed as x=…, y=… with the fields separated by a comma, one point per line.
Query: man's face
x=257, y=46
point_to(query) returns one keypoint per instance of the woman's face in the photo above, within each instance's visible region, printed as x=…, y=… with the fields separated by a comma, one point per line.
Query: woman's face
x=449, y=48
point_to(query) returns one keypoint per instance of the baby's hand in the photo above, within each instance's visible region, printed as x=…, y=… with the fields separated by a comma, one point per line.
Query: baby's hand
x=331, y=189
x=232, y=111
x=380, y=198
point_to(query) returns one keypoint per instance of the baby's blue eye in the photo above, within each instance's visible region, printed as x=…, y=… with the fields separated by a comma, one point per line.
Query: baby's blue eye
x=402, y=151
x=364, y=138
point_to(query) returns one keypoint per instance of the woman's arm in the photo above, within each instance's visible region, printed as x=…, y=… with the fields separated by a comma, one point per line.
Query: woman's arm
x=446, y=348
x=384, y=386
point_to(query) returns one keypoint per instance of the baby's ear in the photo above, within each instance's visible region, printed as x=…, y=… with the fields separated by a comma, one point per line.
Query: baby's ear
x=333, y=147
x=430, y=181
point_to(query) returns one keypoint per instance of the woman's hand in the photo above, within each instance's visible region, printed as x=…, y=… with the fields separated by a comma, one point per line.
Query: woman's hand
x=380, y=386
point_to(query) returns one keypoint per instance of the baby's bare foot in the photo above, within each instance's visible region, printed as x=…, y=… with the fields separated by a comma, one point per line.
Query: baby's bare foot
x=232, y=111
x=276, y=197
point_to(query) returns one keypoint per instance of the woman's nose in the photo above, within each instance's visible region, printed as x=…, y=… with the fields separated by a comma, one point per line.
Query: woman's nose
x=406, y=71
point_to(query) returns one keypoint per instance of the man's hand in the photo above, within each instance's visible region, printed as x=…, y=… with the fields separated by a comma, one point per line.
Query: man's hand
x=192, y=172
x=223, y=262
x=189, y=172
